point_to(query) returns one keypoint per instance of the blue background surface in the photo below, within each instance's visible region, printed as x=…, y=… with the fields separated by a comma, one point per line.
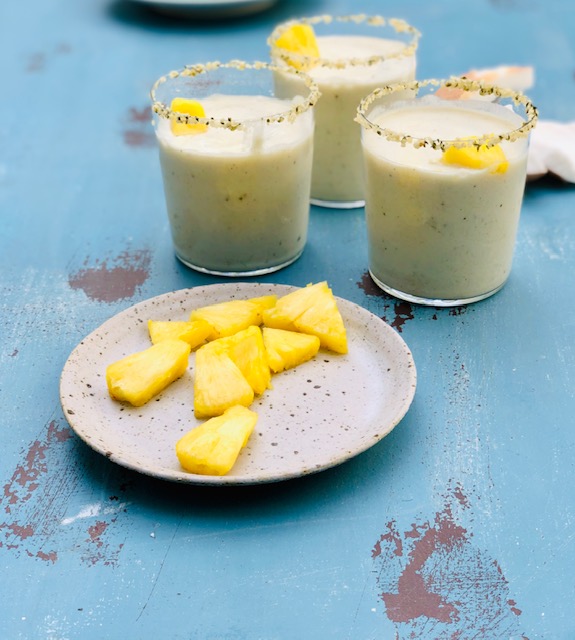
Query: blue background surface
x=459, y=525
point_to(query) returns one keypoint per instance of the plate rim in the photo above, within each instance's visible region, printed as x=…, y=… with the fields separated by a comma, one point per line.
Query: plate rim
x=185, y=477
x=205, y=5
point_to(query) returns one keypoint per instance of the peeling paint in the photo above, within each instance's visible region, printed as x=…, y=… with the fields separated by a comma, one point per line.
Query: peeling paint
x=140, y=115
x=435, y=582
x=95, y=532
x=36, y=495
x=47, y=557
x=457, y=311
x=98, y=550
x=113, y=279
x=135, y=138
x=36, y=61
x=139, y=131
x=395, y=312
x=63, y=47
x=88, y=511
x=24, y=480
x=95, y=510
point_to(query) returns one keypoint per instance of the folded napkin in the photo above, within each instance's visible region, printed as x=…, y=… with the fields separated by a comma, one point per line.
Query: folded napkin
x=510, y=77
x=552, y=144
x=552, y=150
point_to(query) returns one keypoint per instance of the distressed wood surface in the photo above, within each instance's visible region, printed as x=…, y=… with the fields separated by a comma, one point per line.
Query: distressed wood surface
x=458, y=526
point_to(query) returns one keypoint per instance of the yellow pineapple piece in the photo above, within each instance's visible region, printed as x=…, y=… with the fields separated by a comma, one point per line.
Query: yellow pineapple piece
x=477, y=157
x=218, y=383
x=194, y=332
x=247, y=351
x=288, y=349
x=140, y=376
x=230, y=317
x=213, y=447
x=190, y=108
x=313, y=310
x=300, y=39
x=264, y=302
x=289, y=307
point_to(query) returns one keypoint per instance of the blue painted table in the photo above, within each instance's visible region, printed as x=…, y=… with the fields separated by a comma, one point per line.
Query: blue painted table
x=459, y=525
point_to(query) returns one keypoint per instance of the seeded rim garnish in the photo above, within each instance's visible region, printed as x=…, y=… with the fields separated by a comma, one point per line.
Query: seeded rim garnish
x=400, y=27
x=164, y=111
x=487, y=140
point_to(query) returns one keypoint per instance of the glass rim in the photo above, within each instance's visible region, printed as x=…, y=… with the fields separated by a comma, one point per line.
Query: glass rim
x=164, y=111
x=398, y=24
x=465, y=84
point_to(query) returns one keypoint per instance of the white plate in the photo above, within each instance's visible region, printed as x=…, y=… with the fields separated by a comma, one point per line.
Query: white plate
x=209, y=8
x=316, y=416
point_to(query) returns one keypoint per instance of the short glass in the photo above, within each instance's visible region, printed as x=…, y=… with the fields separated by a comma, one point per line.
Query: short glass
x=358, y=54
x=237, y=187
x=445, y=164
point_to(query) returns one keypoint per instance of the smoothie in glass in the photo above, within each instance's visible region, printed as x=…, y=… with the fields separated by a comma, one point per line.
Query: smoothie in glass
x=356, y=55
x=237, y=186
x=444, y=185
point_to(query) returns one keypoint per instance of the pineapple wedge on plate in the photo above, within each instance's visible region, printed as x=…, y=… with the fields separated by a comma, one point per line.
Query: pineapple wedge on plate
x=218, y=383
x=312, y=310
x=140, y=376
x=288, y=349
x=227, y=318
x=213, y=447
x=194, y=332
x=247, y=351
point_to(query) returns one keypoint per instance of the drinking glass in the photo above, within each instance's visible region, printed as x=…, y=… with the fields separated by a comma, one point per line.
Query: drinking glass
x=236, y=176
x=445, y=164
x=357, y=54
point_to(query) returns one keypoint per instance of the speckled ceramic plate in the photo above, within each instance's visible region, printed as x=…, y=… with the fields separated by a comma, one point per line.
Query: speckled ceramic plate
x=317, y=415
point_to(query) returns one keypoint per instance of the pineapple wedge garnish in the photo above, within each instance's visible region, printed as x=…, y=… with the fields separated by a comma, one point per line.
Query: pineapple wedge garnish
x=140, y=376
x=313, y=310
x=288, y=349
x=218, y=383
x=194, y=332
x=190, y=108
x=477, y=157
x=247, y=351
x=213, y=447
x=230, y=317
x=299, y=39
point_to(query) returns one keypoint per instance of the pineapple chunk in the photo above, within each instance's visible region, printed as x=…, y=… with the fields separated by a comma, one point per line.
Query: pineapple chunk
x=313, y=310
x=213, y=447
x=218, y=383
x=289, y=307
x=139, y=377
x=191, y=108
x=193, y=332
x=287, y=349
x=247, y=351
x=300, y=39
x=264, y=302
x=474, y=157
x=230, y=317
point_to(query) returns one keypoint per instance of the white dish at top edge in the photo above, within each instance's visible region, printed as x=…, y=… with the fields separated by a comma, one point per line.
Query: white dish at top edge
x=209, y=8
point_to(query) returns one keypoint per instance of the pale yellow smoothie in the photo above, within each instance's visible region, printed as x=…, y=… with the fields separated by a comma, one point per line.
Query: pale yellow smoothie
x=355, y=59
x=237, y=192
x=441, y=232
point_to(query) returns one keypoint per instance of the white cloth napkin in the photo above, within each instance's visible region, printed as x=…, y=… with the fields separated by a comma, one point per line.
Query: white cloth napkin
x=552, y=150
x=552, y=144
